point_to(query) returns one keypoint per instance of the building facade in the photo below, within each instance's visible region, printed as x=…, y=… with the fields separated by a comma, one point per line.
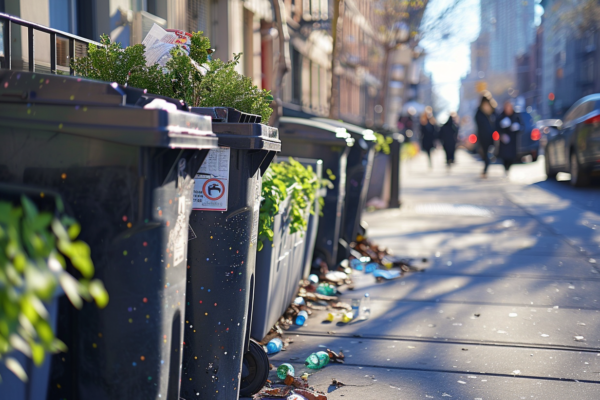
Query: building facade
x=570, y=60
x=248, y=27
x=507, y=33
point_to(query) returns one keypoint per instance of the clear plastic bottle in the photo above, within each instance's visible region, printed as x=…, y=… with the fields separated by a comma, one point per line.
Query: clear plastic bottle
x=356, y=303
x=365, y=306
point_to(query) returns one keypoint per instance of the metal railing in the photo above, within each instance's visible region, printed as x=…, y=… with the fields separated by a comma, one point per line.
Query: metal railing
x=59, y=40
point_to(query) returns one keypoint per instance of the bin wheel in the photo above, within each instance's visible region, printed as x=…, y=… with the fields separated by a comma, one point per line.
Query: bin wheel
x=255, y=370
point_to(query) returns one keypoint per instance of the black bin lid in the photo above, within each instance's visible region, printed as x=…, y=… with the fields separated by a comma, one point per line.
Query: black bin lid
x=301, y=129
x=355, y=130
x=240, y=130
x=98, y=110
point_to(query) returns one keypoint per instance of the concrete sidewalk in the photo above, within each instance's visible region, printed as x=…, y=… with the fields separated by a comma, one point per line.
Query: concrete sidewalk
x=508, y=308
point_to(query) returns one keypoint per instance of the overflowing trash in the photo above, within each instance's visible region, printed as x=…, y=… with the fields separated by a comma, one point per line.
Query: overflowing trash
x=320, y=293
x=291, y=387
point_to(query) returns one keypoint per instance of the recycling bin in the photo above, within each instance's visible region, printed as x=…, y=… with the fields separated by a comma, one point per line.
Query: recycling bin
x=219, y=358
x=310, y=235
x=124, y=167
x=313, y=139
x=273, y=271
x=281, y=263
x=358, y=176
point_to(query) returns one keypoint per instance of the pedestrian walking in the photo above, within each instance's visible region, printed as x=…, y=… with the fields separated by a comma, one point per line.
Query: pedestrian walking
x=428, y=133
x=485, y=120
x=449, y=137
x=508, y=126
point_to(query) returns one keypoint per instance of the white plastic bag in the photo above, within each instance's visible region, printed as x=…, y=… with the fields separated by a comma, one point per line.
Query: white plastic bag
x=159, y=43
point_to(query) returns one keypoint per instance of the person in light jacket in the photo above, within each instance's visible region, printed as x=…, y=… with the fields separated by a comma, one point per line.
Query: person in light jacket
x=485, y=120
x=508, y=125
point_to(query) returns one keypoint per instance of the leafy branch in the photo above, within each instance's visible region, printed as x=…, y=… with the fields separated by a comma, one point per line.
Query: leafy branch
x=35, y=248
x=280, y=180
x=195, y=79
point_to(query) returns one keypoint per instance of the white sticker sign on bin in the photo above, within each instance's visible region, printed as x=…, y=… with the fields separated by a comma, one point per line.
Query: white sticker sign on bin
x=211, y=183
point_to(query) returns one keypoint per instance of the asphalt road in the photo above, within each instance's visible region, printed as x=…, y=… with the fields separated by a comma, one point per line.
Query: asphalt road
x=508, y=307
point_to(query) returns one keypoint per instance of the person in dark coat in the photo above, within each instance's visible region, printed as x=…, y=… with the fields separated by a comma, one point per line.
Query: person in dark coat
x=485, y=120
x=508, y=125
x=428, y=133
x=449, y=137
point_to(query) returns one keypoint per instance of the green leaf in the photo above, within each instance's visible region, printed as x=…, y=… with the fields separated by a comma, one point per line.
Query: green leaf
x=99, y=293
x=16, y=368
x=44, y=331
x=57, y=345
x=74, y=231
x=28, y=310
x=41, y=221
x=71, y=288
x=37, y=353
x=30, y=209
x=5, y=209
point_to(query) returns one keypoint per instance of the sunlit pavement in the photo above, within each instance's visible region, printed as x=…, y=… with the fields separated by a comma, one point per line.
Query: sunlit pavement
x=508, y=308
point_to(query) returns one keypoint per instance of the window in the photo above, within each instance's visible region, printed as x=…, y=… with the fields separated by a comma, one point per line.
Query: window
x=63, y=15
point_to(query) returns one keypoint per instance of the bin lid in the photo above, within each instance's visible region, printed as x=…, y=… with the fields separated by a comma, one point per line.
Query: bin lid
x=367, y=134
x=241, y=132
x=98, y=110
x=314, y=131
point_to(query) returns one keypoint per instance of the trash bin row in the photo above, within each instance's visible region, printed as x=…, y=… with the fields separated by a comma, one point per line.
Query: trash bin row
x=168, y=200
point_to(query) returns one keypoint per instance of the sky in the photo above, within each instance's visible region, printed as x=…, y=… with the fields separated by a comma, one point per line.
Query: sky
x=447, y=48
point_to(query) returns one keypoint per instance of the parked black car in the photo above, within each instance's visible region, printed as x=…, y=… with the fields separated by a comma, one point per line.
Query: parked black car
x=574, y=146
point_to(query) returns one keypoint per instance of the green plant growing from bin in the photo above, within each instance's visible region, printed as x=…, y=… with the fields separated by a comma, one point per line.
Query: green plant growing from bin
x=383, y=143
x=196, y=79
x=35, y=249
x=283, y=179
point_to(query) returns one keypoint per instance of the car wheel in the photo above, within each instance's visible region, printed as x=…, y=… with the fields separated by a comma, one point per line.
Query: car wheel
x=549, y=172
x=578, y=177
x=255, y=370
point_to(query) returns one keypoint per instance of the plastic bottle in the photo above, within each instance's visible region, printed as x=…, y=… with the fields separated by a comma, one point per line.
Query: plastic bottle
x=370, y=267
x=356, y=264
x=299, y=301
x=313, y=279
x=356, y=303
x=326, y=289
x=365, y=306
x=317, y=360
x=301, y=318
x=274, y=346
x=284, y=370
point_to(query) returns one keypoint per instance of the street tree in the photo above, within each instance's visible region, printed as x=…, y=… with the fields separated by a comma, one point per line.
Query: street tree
x=578, y=16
